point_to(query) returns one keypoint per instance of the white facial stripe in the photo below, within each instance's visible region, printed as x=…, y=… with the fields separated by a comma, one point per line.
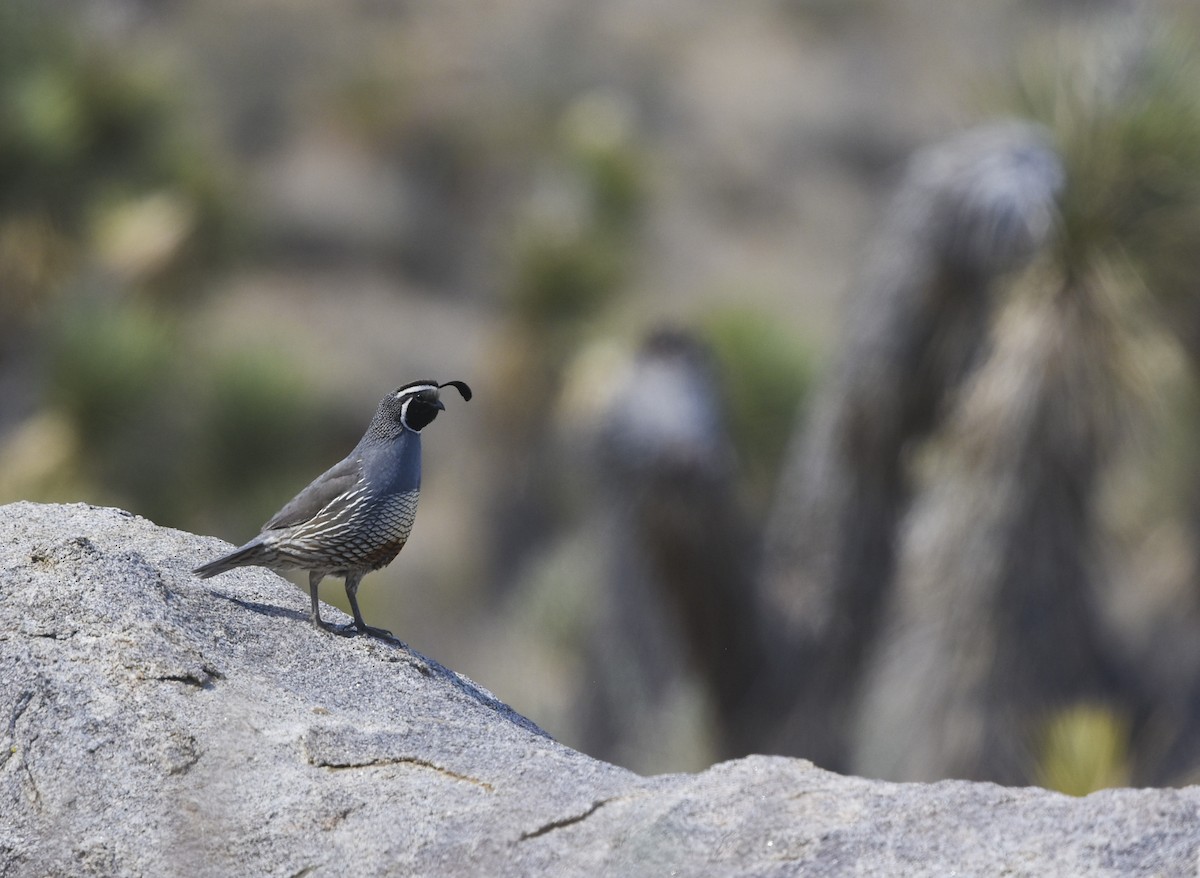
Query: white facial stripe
x=416, y=388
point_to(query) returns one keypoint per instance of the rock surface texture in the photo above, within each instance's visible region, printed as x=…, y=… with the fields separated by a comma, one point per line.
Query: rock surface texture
x=152, y=723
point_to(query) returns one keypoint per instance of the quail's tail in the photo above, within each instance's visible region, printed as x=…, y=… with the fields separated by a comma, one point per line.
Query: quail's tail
x=251, y=553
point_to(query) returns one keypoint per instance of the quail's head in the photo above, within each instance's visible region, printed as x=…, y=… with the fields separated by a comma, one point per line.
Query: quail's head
x=415, y=404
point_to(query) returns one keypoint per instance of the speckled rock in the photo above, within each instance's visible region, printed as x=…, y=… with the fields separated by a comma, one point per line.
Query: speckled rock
x=152, y=723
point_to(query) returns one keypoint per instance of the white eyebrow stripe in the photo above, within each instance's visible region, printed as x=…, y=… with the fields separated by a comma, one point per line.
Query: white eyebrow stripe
x=416, y=388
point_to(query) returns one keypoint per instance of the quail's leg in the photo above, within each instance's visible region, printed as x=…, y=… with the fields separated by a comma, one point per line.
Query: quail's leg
x=352, y=581
x=314, y=579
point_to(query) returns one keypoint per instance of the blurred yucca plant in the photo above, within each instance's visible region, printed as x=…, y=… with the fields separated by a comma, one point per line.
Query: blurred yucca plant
x=1129, y=138
x=1013, y=602
x=1124, y=115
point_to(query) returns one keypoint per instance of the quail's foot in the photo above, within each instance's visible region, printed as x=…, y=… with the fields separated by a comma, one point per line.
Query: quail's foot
x=370, y=631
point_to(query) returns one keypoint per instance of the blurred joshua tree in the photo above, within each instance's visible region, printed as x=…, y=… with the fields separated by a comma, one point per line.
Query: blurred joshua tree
x=996, y=622
x=940, y=548
x=657, y=443
x=936, y=596
x=1131, y=245
x=678, y=577
x=968, y=213
x=574, y=248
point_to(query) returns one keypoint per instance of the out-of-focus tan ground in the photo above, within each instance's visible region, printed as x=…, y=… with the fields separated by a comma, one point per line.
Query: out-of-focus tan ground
x=391, y=166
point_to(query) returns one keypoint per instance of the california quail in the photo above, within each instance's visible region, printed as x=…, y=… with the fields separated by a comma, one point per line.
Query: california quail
x=355, y=517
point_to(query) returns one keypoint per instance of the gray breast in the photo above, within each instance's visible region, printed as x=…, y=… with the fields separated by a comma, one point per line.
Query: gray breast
x=394, y=467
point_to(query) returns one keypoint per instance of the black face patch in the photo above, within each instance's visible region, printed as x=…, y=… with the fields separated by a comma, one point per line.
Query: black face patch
x=420, y=402
x=418, y=411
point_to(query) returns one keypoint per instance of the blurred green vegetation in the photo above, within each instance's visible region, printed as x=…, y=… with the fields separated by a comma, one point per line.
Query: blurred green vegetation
x=114, y=213
x=88, y=131
x=256, y=420
x=571, y=259
x=574, y=253
x=1085, y=748
x=173, y=430
x=1131, y=148
x=108, y=362
x=1124, y=115
x=767, y=374
x=564, y=278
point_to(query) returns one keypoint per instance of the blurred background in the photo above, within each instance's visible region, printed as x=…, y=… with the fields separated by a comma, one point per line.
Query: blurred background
x=835, y=360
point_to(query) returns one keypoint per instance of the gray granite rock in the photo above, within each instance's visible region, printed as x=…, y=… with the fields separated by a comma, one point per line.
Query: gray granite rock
x=152, y=723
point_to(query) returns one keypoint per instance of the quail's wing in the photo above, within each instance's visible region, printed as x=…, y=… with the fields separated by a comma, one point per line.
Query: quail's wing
x=338, y=479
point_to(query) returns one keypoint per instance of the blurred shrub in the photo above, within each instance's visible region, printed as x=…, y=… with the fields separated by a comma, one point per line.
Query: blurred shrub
x=767, y=373
x=563, y=279
x=113, y=371
x=41, y=458
x=171, y=431
x=1085, y=748
x=108, y=364
x=85, y=130
x=108, y=200
x=831, y=15
x=597, y=136
x=260, y=424
x=575, y=250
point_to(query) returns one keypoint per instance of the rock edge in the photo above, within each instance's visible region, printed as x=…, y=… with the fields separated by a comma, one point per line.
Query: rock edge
x=152, y=723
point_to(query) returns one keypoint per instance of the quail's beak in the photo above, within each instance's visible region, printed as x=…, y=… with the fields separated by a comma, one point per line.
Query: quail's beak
x=437, y=404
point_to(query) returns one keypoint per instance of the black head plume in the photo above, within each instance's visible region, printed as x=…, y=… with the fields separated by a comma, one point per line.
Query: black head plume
x=416, y=404
x=462, y=388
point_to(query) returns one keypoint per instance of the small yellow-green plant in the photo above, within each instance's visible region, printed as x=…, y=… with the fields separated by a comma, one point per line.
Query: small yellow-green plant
x=766, y=372
x=1084, y=748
